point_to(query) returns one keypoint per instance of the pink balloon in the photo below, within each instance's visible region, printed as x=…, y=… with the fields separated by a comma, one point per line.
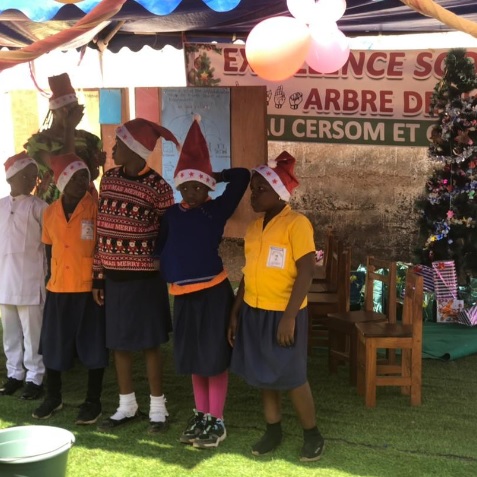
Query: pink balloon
x=329, y=50
x=276, y=48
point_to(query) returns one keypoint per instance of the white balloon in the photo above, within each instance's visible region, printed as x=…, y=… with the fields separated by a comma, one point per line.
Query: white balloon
x=332, y=10
x=323, y=26
x=302, y=9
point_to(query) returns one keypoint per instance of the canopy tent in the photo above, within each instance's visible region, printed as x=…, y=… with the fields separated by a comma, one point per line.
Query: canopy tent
x=30, y=28
x=136, y=23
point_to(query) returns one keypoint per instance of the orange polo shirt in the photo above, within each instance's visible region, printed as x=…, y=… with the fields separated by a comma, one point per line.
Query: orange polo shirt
x=73, y=242
x=270, y=258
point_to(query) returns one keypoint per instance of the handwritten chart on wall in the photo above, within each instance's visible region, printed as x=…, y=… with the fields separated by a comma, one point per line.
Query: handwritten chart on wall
x=179, y=105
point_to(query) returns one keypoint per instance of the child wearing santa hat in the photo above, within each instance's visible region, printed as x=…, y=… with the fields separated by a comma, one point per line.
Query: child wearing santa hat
x=268, y=325
x=188, y=246
x=60, y=136
x=22, y=278
x=126, y=276
x=73, y=324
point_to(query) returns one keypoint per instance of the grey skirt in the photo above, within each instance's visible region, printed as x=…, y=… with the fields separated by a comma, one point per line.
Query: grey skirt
x=258, y=358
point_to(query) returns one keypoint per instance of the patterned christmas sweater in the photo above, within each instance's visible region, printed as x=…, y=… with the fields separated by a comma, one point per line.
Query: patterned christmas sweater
x=129, y=215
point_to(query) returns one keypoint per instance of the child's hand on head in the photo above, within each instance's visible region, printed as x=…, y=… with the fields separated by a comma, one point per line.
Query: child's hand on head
x=217, y=176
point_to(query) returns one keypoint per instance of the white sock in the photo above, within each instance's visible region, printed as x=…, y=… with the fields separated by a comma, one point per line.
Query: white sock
x=127, y=407
x=158, y=411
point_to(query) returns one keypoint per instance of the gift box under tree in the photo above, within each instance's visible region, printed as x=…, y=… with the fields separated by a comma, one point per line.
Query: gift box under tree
x=445, y=287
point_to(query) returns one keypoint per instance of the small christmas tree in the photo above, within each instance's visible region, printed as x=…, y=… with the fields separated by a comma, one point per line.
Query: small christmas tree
x=202, y=74
x=448, y=208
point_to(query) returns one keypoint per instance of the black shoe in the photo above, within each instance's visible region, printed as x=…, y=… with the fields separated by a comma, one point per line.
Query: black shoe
x=269, y=442
x=313, y=448
x=10, y=386
x=213, y=434
x=195, y=426
x=110, y=424
x=31, y=391
x=47, y=408
x=89, y=413
x=160, y=414
x=157, y=426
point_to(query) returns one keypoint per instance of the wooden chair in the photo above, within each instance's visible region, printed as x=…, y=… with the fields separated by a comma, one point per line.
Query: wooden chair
x=406, y=336
x=321, y=277
x=322, y=303
x=342, y=337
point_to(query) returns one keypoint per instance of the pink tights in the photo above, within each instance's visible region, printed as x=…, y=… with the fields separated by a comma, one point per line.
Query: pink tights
x=210, y=393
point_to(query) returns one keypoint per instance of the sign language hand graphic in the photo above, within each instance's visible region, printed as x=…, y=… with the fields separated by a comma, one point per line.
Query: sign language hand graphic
x=295, y=99
x=279, y=97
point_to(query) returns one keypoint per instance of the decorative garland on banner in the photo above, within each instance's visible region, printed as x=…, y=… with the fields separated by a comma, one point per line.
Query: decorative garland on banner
x=431, y=9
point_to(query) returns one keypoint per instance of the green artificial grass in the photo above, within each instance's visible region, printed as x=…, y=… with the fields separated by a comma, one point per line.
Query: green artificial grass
x=437, y=439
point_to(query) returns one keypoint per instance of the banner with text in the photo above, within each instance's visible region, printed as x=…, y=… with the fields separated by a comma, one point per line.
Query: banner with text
x=377, y=98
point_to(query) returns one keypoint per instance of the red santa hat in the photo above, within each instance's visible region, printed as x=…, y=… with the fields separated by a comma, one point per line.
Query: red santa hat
x=194, y=160
x=279, y=174
x=141, y=136
x=16, y=163
x=62, y=91
x=64, y=166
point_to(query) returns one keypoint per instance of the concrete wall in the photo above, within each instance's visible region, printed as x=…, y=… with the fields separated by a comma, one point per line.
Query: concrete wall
x=365, y=193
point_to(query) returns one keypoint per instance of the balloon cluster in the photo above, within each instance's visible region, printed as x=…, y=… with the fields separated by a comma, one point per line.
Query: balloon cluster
x=276, y=48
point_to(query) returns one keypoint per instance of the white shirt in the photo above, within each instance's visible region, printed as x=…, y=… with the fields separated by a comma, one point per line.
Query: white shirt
x=22, y=255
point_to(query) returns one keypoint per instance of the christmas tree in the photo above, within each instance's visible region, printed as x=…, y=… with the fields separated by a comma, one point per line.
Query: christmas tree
x=202, y=74
x=448, y=209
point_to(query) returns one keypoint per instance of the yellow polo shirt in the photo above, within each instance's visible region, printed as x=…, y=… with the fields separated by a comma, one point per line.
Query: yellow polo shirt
x=270, y=256
x=73, y=244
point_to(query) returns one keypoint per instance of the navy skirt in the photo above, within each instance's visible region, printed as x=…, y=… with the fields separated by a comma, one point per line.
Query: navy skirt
x=200, y=330
x=73, y=327
x=138, y=315
x=258, y=358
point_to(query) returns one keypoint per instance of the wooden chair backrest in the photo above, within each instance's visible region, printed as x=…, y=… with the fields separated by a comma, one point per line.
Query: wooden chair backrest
x=339, y=297
x=412, y=308
x=343, y=279
x=388, y=283
x=329, y=237
x=334, y=261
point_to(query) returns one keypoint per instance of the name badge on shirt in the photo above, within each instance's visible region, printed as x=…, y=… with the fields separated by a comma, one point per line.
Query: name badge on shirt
x=276, y=257
x=87, y=230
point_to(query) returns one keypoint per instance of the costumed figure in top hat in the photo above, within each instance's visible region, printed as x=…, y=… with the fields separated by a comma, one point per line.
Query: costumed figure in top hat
x=60, y=136
x=188, y=248
x=269, y=322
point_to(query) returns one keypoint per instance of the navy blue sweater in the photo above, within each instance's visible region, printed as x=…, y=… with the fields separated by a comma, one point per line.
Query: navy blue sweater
x=189, y=239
